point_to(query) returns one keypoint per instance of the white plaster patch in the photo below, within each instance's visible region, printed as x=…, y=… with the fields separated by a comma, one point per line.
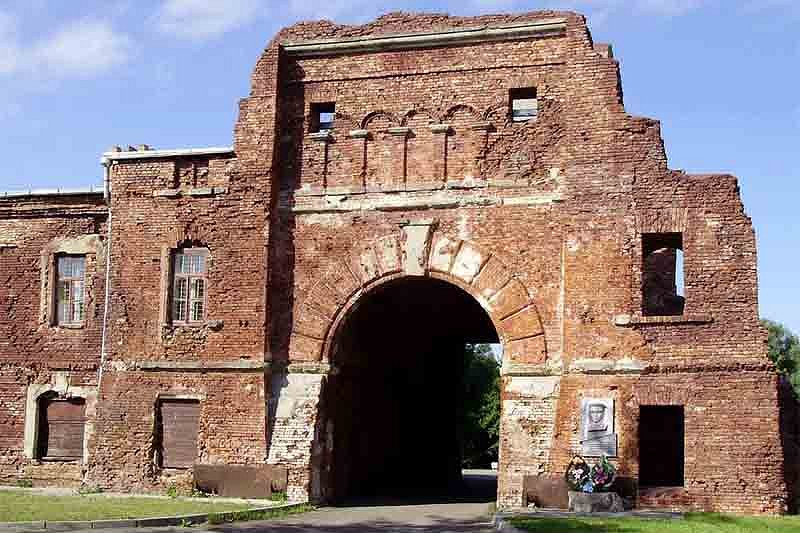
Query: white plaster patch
x=323, y=219
x=535, y=387
x=442, y=254
x=415, y=249
x=468, y=263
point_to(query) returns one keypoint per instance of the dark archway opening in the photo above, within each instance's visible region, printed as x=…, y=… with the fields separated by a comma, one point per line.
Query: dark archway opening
x=393, y=401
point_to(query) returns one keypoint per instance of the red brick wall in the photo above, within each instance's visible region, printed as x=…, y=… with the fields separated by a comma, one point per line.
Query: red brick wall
x=32, y=348
x=540, y=221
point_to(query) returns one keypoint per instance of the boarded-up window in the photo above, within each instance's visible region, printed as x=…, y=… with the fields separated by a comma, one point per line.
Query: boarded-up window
x=189, y=285
x=61, y=428
x=178, y=423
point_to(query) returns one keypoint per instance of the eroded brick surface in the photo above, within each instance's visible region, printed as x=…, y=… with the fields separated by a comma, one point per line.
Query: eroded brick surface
x=540, y=221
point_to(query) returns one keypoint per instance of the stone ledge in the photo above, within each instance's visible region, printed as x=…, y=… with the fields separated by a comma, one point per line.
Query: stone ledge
x=193, y=192
x=341, y=204
x=626, y=320
x=321, y=136
x=202, y=366
x=526, y=30
x=524, y=369
x=605, y=366
x=301, y=367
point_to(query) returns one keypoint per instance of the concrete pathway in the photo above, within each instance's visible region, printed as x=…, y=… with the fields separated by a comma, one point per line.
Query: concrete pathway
x=439, y=518
x=468, y=512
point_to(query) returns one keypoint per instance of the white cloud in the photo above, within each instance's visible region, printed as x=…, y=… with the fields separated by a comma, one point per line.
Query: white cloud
x=79, y=49
x=203, y=19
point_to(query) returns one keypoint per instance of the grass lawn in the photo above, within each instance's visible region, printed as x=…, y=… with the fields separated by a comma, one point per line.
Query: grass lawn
x=692, y=523
x=22, y=506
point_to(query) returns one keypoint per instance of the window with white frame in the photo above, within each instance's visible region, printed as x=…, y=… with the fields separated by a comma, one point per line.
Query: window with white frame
x=70, y=289
x=189, y=285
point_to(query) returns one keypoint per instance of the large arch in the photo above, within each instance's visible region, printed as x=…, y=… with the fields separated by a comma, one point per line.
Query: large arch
x=422, y=261
x=393, y=404
x=418, y=250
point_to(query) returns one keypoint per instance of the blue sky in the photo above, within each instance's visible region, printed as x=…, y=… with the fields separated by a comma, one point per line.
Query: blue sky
x=723, y=76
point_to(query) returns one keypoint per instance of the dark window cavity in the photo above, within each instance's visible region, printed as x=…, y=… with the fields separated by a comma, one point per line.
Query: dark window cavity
x=661, y=446
x=322, y=116
x=662, y=274
x=524, y=104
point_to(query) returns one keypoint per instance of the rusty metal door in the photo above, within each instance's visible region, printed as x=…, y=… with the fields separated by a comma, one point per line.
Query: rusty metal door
x=180, y=421
x=61, y=429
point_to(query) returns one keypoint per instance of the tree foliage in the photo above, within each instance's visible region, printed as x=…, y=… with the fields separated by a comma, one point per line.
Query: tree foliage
x=784, y=350
x=479, y=418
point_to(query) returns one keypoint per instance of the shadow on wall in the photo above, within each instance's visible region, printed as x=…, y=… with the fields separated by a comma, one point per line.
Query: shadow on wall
x=790, y=440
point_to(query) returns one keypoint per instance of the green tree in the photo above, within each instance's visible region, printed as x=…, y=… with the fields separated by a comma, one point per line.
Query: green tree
x=784, y=350
x=480, y=407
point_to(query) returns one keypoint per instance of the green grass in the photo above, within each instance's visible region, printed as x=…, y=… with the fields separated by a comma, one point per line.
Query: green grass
x=23, y=506
x=692, y=523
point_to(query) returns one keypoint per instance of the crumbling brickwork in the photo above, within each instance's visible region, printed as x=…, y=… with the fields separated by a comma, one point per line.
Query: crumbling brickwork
x=426, y=174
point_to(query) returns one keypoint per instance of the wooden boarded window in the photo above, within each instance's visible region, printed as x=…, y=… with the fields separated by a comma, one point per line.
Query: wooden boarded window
x=70, y=283
x=178, y=424
x=61, y=428
x=189, y=285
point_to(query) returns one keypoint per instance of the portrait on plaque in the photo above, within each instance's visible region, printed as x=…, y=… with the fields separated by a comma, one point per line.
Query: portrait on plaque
x=597, y=427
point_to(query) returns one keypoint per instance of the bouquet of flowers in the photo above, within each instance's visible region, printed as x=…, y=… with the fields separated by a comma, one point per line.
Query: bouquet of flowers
x=577, y=474
x=603, y=475
x=581, y=477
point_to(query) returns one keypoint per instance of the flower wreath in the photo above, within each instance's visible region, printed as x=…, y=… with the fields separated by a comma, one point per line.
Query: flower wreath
x=581, y=477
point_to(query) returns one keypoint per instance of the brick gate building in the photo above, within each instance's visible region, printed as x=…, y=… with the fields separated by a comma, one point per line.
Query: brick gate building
x=396, y=190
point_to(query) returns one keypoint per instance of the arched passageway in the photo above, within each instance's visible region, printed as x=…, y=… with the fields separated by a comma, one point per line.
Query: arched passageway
x=393, y=400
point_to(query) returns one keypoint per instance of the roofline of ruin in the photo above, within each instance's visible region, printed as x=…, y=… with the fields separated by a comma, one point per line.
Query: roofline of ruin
x=527, y=30
x=155, y=154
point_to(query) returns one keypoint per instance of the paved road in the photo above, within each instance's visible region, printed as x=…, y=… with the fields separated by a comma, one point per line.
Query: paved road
x=439, y=518
x=465, y=512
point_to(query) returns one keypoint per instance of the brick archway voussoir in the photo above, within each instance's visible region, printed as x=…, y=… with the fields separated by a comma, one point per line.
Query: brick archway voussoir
x=416, y=252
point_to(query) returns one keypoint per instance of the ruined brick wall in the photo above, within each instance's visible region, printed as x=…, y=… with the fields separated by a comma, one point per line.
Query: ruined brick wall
x=158, y=206
x=34, y=351
x=424, y=137
x=426, y=175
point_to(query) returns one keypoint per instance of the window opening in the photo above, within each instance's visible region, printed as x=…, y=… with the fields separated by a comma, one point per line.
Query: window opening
x=662, y=274
x=70, y=284
x=190, y=285
x=524, y=104
x=176, y=433
x=323, y=116
x=661, y=446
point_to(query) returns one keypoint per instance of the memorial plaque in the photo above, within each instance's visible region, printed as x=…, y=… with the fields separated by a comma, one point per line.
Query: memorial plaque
x=597, y=427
